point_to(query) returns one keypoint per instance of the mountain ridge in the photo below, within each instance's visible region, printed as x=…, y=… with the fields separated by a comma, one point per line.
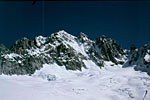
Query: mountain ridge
x=26, y=56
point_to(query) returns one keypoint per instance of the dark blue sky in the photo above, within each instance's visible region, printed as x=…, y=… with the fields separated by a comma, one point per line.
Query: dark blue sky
x=124, y=21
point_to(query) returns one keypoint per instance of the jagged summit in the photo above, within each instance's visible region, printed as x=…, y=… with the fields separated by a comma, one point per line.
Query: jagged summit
x=103, y=36
x=139, y=58
x=62, y=34
x=21, y=45
x=2, y=47
x=109, y=49
x=84, y=38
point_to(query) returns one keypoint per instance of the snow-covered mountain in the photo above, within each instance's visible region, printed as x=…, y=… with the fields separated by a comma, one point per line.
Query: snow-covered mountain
x=66, y=67
x=26, y=56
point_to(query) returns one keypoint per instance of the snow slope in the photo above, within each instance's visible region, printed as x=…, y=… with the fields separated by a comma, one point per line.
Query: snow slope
x=109, y=83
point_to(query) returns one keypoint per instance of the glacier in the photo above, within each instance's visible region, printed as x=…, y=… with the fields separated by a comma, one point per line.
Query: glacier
x=108, y=83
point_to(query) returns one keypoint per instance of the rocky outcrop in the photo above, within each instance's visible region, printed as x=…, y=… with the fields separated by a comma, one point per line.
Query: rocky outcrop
x=106, y=49
x=21, y=45
x=139, y=58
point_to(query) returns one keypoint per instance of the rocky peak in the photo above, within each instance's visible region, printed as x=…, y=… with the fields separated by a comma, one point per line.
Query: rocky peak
x=83, y=38
x=62, y=36
x=21, y=45
x=3, y=48
x=103, y=39
x=108, y=49
x=140, y=58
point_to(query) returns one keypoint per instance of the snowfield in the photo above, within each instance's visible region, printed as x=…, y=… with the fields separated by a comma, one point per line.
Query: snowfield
x=109, y=83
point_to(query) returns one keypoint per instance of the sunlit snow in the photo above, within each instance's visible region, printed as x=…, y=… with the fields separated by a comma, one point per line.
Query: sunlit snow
x=108, y=83
x=147, y=57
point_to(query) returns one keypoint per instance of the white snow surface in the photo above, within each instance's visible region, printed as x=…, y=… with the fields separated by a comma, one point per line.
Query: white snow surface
x=93, y=83
x=40, y=40
x=147, y=57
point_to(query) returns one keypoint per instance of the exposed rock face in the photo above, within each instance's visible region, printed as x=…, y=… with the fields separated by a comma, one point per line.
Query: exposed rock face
x=108, y=49
x=26, y=56
x=3, y=49
x=21, y=45
x=139, y=58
